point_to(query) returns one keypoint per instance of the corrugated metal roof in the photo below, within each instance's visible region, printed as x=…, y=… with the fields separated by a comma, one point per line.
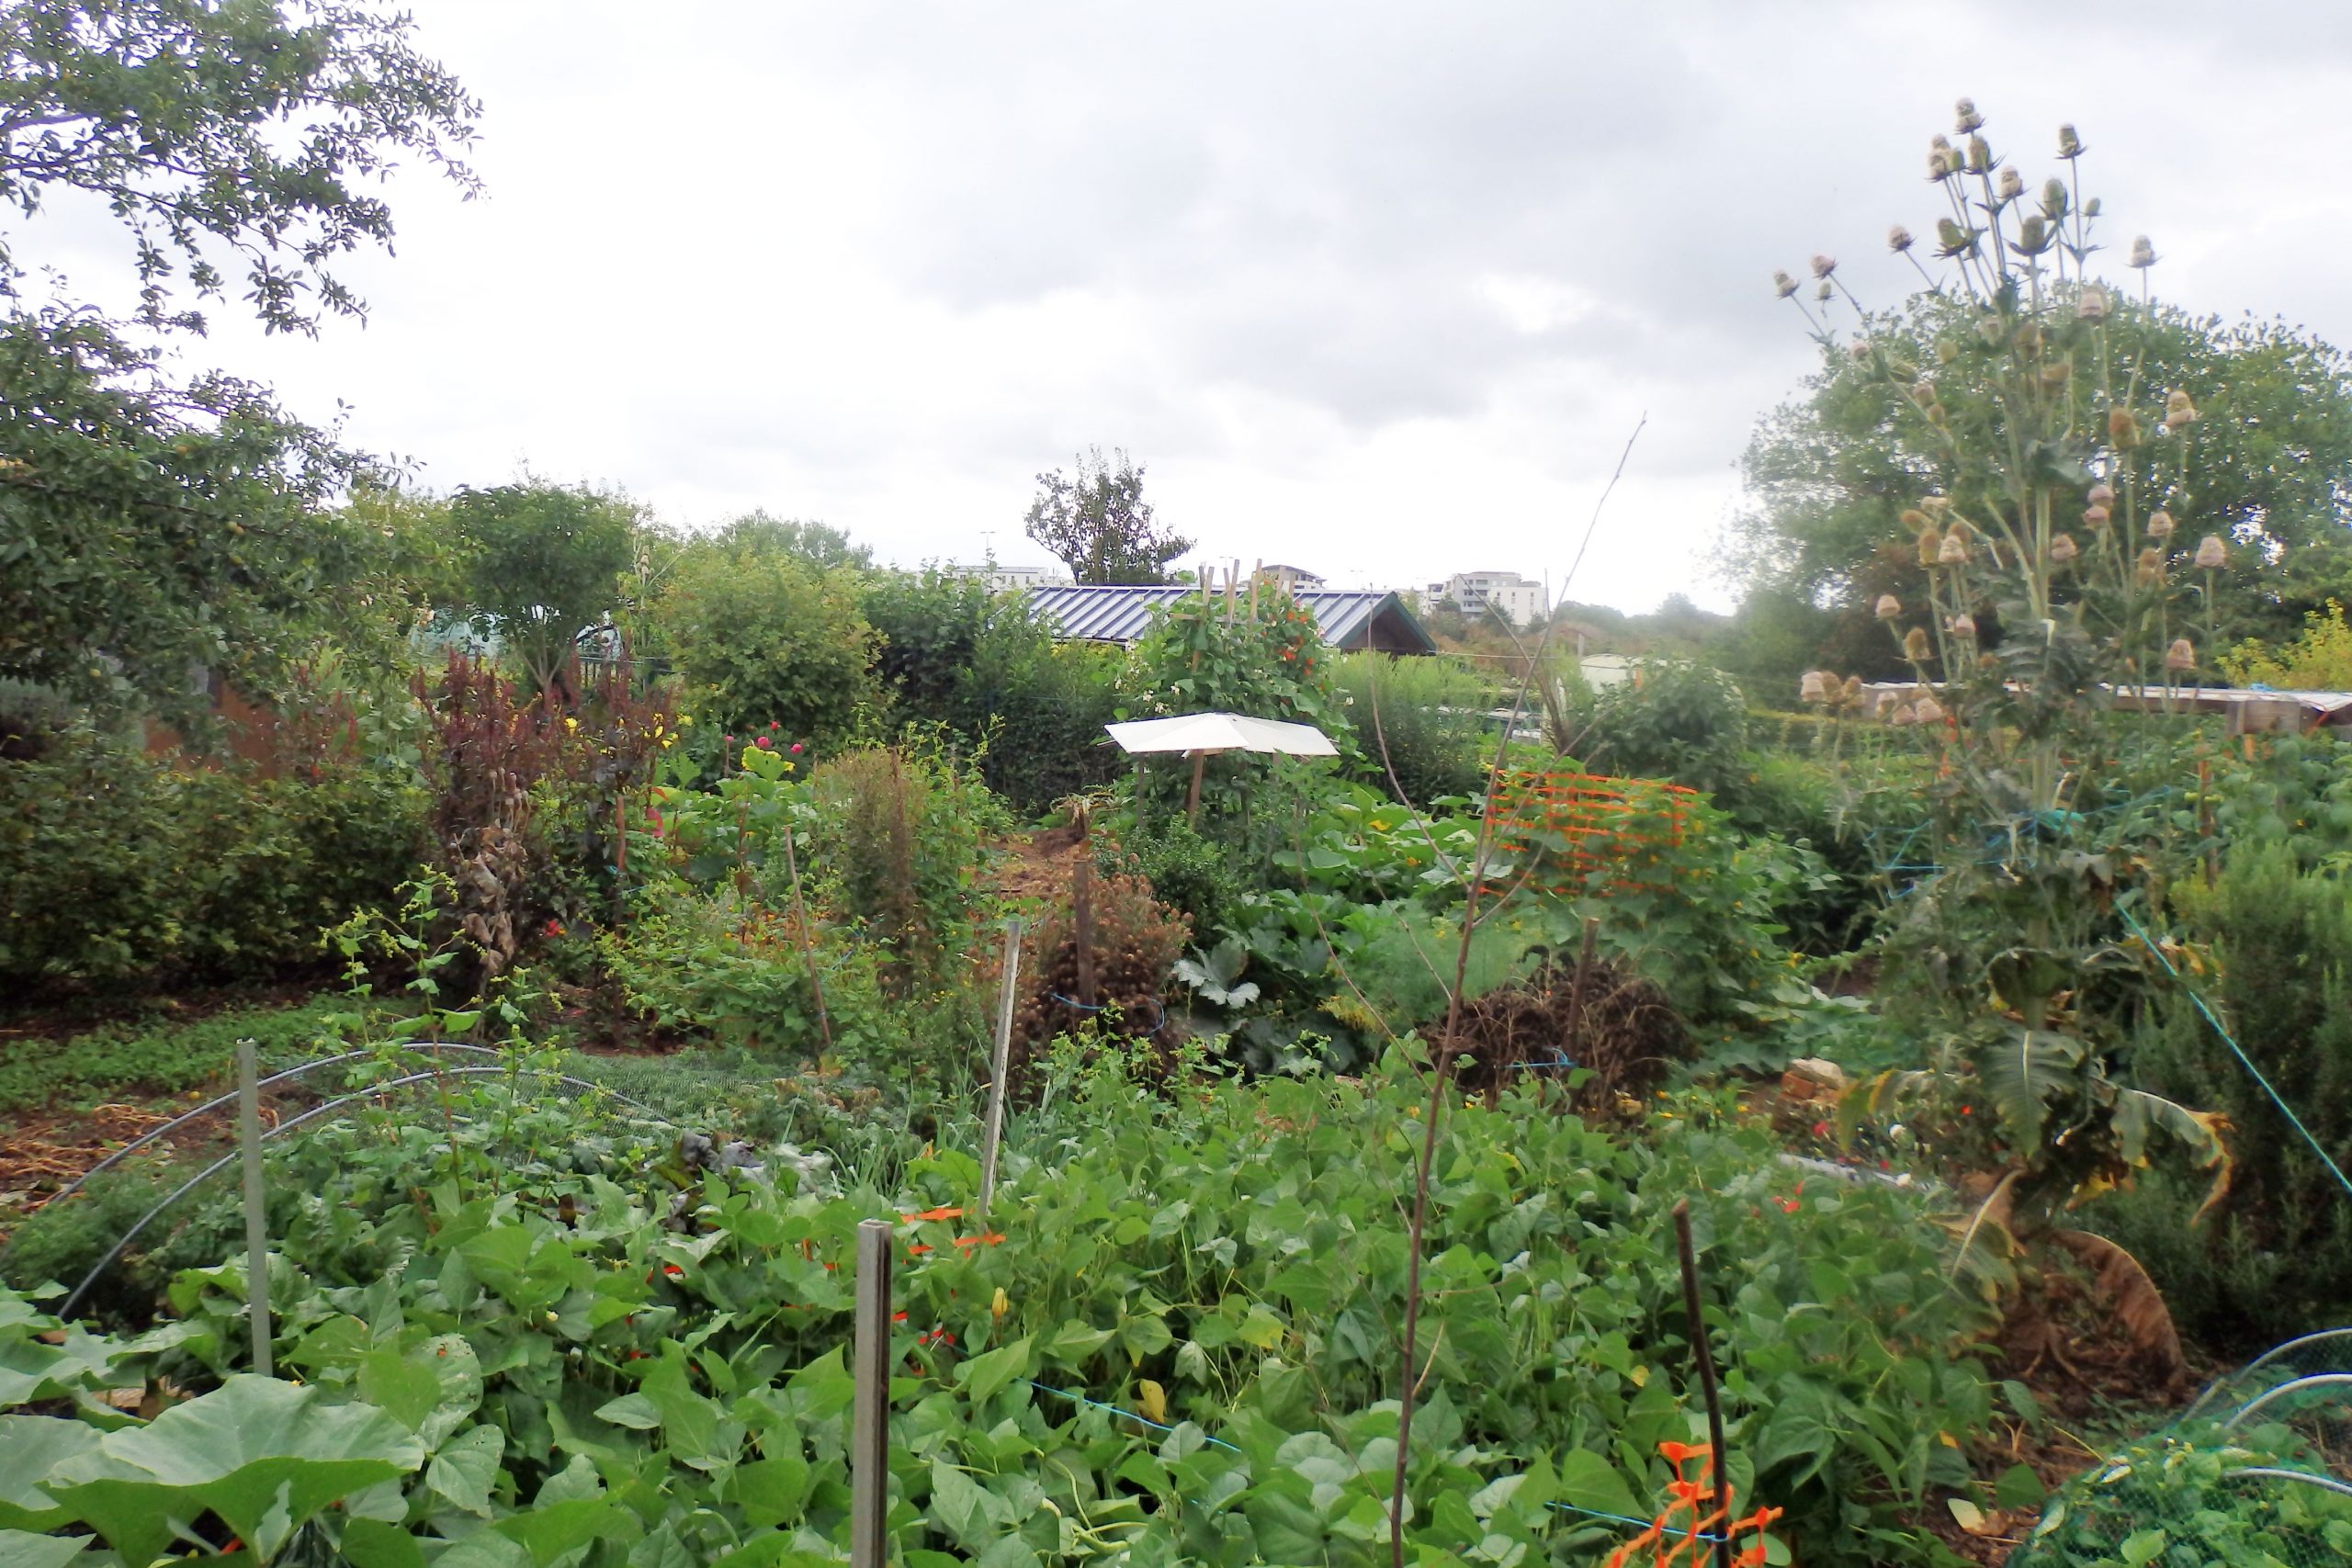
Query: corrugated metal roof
x=1092, y=613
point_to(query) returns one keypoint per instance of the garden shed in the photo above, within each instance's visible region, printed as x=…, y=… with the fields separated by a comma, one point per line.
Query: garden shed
x=1350, y=619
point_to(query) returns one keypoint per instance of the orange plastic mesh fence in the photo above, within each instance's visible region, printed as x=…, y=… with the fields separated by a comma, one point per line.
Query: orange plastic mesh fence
x=1560, y=829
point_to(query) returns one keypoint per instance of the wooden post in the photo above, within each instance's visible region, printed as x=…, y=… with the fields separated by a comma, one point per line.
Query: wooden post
x=1082, y=919
x=256, y=1223
x=869, y=1475
x=1192, y=800
x=1706, y=1379
x=999, y=1064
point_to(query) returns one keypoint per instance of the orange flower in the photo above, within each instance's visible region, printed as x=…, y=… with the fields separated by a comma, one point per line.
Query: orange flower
x=989, y=1238
x=929, y=1215
x=1676, y=1453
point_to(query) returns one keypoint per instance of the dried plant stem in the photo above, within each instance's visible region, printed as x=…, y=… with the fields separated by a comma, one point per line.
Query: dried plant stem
x=808, y=944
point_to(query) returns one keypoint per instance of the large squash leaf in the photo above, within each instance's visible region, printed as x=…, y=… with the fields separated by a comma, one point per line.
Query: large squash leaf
x=263, y=1455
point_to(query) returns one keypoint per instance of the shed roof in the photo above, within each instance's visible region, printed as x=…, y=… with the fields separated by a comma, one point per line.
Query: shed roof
x=1348, y=617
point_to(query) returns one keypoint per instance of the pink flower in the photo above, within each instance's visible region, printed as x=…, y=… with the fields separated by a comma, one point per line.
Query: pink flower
x=764, y=744
x=796, y=748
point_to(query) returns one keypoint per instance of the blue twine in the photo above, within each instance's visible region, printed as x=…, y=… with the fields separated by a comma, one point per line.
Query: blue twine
x=1141, y=1419
x=1559, y=1059
x=1076, y=1006
x=2236, y=1050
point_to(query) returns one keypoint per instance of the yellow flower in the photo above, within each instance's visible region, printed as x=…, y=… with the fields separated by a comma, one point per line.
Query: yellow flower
x=569, y=722
x=999, y=1304
x=668, y=741
x=684, y=719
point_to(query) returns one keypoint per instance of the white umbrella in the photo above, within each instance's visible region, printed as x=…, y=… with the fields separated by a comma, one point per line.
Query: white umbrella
x=1222, y=732
x=1202, y=733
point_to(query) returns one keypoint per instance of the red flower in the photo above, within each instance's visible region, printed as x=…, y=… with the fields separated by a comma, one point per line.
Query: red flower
x=762, y=742
x=937, y=1337
x=1821, y=1128
x=796, y=748
x=673, y=1270
x=555, y=928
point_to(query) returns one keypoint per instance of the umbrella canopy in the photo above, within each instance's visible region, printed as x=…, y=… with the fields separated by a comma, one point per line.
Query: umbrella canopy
x=1200, y=732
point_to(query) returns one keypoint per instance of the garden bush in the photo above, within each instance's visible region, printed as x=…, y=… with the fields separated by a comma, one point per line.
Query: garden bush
x=1419, y=724
x=899, y=843
x=761, y=637
x=1671, y=720
x=953, y=651
x=131, y=872
x=2276, y=1259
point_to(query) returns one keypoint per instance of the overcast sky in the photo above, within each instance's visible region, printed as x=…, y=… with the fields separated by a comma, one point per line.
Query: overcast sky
x=1379, y=290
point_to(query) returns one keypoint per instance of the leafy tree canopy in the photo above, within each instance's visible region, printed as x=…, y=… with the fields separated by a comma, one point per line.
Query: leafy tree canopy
x=767, y=638
x=543, y=564
x=150, y=533
x=239, y=134
x=819, y=543
x=1831, y=473
x=1100, y=525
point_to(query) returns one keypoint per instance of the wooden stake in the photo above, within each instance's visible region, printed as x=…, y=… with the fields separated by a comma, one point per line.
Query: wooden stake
x=256, y=1223
x=1000, y=1063
x=1706, y=1379
x=1192, y=800
x=1082, y=919
x=869, y=1475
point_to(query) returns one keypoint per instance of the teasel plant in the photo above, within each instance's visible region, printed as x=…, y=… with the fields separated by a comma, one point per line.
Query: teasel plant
x=2054, y=571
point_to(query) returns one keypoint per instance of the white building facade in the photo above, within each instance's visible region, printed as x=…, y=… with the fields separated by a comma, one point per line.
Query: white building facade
x=1519, y=598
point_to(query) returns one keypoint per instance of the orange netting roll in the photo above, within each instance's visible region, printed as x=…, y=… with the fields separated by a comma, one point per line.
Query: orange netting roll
x=1561, y=829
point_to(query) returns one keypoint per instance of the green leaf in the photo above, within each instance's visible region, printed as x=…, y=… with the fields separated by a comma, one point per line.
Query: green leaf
x=631, y=1410
x=1585, y=1480
x=2018, y=1488
x=22, y=1549
x=2141, y=1547
x=30, y=1445
x=466, y=1468
x=399, y=1386
x=373, y=1543
x=250, y=1446
x=992, y=1370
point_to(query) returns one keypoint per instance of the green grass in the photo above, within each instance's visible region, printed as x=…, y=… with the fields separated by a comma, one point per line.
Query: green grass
x=156, y=1055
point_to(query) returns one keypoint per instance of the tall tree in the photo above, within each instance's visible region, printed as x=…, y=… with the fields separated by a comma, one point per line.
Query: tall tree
x=821, y=544
x=241, y=134
x=543, y=564
x=1831, y=474
x=1100, y=525
x=150, y=533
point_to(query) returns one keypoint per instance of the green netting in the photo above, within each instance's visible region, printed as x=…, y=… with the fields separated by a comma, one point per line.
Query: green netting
x=2258, y=1474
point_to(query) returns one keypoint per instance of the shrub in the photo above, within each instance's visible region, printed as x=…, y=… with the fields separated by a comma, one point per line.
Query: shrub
x=761, y=636
x=953, y=651
x=1684, y=722
x=1188, y=873
x=116, y=867
x=2277, y=1259
x=1425, y=742
x=898, y=845
x=1136, y=943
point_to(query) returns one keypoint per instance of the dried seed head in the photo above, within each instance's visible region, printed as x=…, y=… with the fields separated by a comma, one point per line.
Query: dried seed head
x=2160, y=525
x=1951, y=240
x=2033, y=234
x=2096, y=515
x=1888, y=608
x=2054, y=199
x=1964, y=625
x=2055, y=374
x=1964, y=115
x=2069, y=144
x=1946, y=351
x=2211, y=554
x=1814, y=688
x=2010, y=186
x=2102, y=494
x=2122, y=429
x=1898, y=238
x=1850, y=692
x=2143, y=253
x=1913, y=518
x=2178, y=410
x=1936, y=505
x=1930, y=545
x=2090, y=208
x=2181, y=655
x=1783, y=284
x=1936, y=415
x=1824, y=292
x=1923, y=392
x=2063, y=549
x=2090, y=305
x=1824, y=266
x=1860, y=350
x=1915, y=645
x=1901, y=716
x=1926, y=710
x=1980, y=155
x=1940, y=164
x=2149, y=569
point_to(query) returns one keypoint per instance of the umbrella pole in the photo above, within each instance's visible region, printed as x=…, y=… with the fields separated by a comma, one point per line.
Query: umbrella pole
x=1192, y=800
